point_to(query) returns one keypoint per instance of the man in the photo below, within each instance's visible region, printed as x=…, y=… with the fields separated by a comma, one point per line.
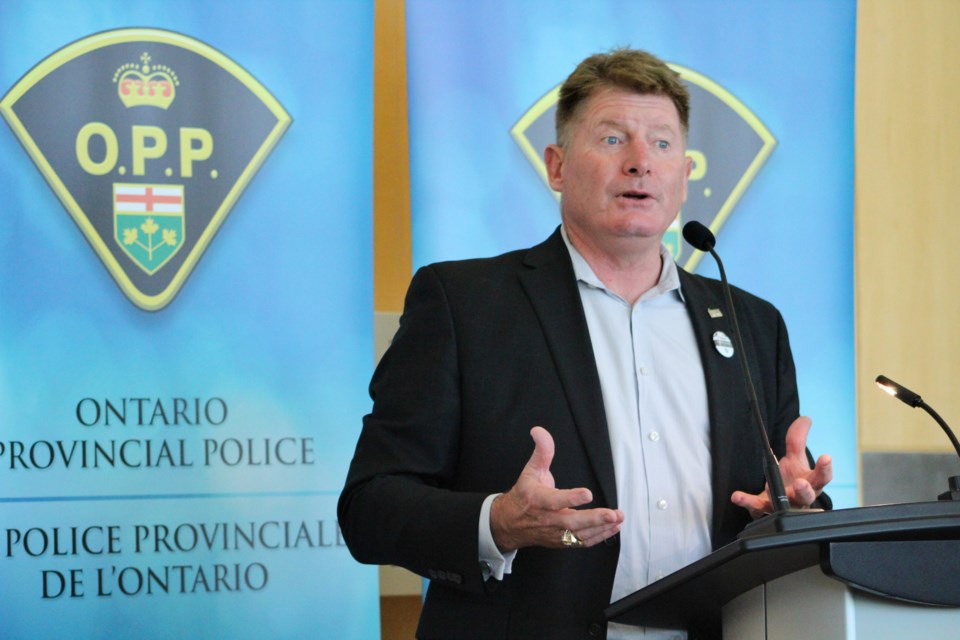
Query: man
x=595, y=345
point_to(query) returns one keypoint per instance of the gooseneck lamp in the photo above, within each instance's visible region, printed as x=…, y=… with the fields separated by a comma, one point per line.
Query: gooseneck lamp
x=914, y=400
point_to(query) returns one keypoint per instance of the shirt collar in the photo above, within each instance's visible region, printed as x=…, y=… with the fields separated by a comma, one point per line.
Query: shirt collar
x=669, y=275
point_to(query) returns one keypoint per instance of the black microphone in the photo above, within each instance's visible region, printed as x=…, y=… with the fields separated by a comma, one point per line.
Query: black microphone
x=700, y=237
x=914, y=400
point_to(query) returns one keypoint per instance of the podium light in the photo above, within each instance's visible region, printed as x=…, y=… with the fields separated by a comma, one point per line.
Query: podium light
x=899, y=391
x=914, y=400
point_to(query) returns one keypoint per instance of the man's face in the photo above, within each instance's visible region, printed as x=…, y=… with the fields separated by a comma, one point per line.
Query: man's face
x=623, y=173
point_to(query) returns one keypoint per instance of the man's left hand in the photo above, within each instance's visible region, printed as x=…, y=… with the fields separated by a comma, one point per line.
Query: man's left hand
x=802, y=483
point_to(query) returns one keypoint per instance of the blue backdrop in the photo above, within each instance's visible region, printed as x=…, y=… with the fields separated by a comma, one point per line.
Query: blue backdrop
x=271, y=333
x=475, y=68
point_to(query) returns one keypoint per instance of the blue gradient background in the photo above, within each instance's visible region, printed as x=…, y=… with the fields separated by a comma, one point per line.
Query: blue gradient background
x=276, y=319
x=476, y=68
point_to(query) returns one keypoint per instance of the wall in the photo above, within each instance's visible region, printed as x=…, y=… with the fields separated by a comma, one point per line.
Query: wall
x=907, y=151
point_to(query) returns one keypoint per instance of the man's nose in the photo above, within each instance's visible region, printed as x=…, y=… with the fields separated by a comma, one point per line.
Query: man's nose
x=636, y=162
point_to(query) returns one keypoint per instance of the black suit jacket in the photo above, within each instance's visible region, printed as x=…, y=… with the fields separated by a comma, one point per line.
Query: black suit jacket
x=486, y=350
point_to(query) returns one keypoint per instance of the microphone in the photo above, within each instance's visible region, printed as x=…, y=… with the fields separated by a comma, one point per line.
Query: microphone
x=700, y=237
x=914, y=400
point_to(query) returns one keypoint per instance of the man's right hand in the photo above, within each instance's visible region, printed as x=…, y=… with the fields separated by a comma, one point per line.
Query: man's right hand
x=535, y=513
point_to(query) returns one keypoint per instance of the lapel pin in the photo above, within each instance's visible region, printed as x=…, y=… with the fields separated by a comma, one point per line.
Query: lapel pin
x=723, y=344
x=715, y=312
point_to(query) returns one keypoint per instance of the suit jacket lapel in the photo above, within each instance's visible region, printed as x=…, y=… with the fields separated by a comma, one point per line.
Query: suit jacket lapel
x=729, y=412
x=550, y=284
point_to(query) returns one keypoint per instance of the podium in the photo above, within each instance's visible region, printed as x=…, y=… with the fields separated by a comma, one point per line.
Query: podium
x=889, y=571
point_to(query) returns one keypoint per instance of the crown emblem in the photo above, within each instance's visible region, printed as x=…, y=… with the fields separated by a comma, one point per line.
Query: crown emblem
x=145, y=85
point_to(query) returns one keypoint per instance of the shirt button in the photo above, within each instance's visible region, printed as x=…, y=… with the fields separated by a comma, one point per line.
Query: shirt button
x=661, y=504
x=644, y=371
x=654, y=436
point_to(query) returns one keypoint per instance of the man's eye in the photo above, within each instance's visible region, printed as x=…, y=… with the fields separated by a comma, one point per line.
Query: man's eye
x=611, y=140
x=663, y=144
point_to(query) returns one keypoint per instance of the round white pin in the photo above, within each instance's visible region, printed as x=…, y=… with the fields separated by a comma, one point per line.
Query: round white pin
x=723, y=344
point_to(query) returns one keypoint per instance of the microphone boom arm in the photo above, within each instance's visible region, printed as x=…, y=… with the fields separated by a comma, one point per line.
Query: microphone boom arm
x=778, y=493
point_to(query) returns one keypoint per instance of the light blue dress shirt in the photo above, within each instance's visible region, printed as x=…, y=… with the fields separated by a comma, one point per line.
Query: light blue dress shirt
x=655, y=399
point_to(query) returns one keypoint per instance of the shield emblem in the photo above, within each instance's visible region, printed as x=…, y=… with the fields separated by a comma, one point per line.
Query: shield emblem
x=148, y=222
x=149, y=163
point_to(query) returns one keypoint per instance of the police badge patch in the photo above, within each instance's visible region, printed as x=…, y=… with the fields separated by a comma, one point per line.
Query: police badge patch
x=148, y=137
x=723, y=131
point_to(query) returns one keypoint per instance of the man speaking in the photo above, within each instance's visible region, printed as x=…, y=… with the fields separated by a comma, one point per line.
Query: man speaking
x=557, y=427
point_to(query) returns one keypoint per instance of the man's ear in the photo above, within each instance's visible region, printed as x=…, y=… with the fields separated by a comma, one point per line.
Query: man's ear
x=686, y=176
x=553, y=159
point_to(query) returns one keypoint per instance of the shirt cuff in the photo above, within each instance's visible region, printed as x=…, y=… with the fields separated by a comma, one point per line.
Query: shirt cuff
x=493, y=563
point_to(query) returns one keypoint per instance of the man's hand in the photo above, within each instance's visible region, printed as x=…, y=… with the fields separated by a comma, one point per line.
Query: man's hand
x=802, y=483
x=535, y=513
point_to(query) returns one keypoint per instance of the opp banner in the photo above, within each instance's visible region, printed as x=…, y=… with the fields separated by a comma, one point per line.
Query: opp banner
x=771, y=139
x=185, y=317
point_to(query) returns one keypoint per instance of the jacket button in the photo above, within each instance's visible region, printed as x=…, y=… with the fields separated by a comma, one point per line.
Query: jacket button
x=596, y=630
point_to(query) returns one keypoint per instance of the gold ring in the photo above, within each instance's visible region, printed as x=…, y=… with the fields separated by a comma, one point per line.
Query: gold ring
x=570, y=539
